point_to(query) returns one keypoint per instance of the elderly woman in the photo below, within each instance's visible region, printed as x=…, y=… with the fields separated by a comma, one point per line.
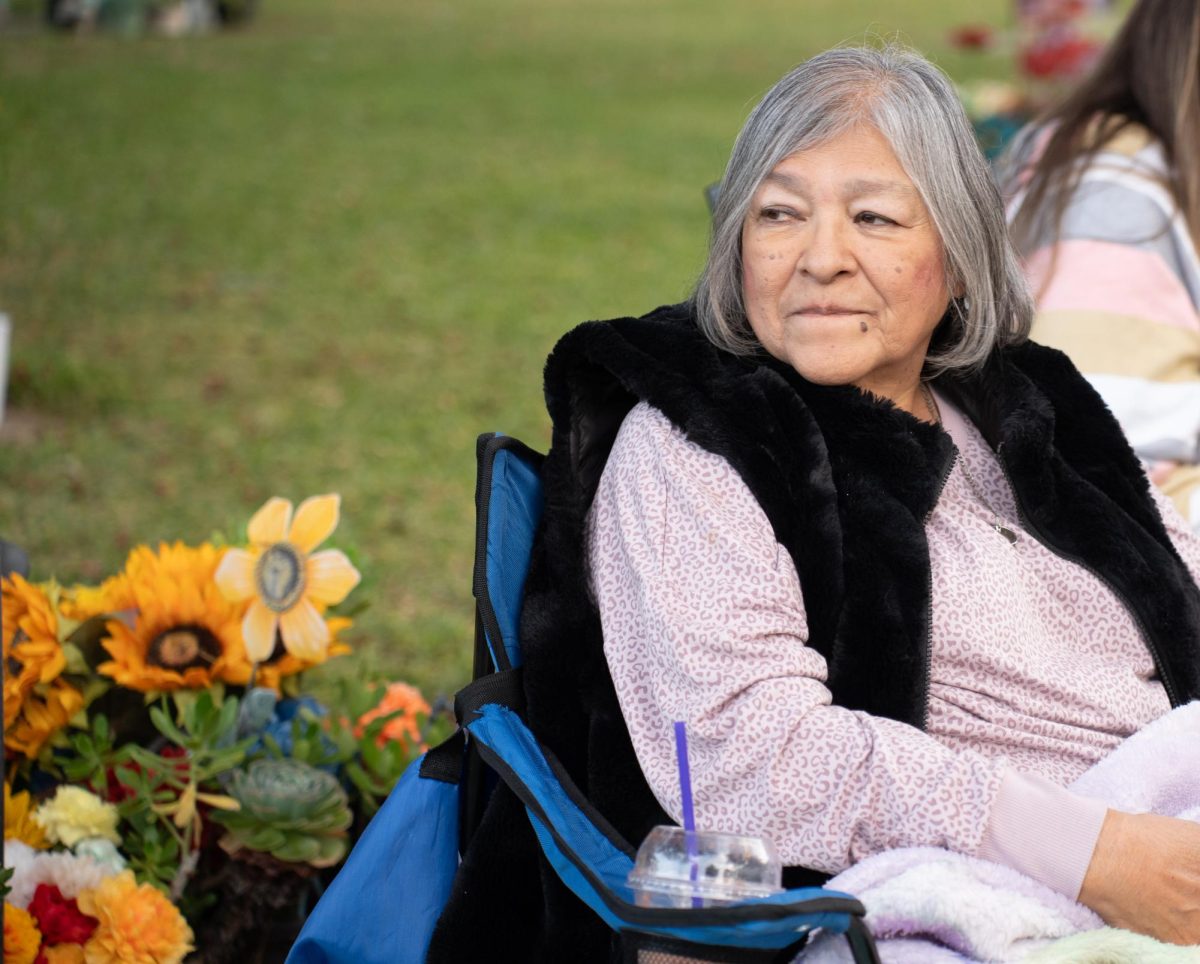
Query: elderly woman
x=894, y=565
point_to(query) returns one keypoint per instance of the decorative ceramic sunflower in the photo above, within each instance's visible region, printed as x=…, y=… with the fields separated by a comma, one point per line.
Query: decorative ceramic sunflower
x=282, y=664
x=182, y=633
x=289, y=585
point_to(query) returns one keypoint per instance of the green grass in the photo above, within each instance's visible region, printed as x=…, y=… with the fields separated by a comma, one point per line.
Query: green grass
x=324, y=252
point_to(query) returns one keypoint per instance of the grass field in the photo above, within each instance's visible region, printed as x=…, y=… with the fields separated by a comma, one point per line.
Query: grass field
x=324, y=252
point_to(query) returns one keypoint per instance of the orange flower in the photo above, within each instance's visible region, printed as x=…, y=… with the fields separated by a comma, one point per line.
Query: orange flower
x=111, y=596
x=32, y=652
x=405, y=727
x=64, y=954
x=138, y=925
x=45, y=711
x=288, y=584
x=182, y=632
x=22, y=939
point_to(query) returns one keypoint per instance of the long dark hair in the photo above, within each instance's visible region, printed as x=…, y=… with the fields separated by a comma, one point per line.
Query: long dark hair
x=1149, y=75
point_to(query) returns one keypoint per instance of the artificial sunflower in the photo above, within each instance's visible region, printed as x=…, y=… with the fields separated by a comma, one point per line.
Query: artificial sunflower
x=18, y=820
x=288, y=584
x=83, y=602
x=45, y=711
x=29, y=629
x=182, y=633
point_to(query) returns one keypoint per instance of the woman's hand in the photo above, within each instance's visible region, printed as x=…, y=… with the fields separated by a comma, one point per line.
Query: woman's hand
x=1145, y=876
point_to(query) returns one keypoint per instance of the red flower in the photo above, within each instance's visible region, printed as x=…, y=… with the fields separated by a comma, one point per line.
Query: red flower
x=1067, y=57
x=60, y=920
x=971, y=36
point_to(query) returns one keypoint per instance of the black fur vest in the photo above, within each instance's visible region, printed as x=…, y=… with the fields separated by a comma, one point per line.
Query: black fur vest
x=847, y=482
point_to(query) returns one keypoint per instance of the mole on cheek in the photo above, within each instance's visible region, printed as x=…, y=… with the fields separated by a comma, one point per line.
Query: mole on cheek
x=862, y=326
x=899, y=270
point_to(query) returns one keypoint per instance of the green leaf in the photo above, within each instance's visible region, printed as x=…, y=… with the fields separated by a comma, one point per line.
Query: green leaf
x=372, y=755
x=361, y=780
x=298, y=850
x=86, y=638
x=264, y=838
x=227, y=720
x=332, y=850
x=76, y=664
x=166, y=727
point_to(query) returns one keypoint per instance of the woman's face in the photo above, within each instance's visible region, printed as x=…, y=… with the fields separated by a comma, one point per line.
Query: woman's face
x=842, y=268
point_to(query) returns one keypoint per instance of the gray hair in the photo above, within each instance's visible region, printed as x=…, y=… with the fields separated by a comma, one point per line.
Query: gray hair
x=912, y=104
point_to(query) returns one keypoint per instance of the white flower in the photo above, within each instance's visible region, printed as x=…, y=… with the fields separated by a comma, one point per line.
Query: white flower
x=103, y=851
x=71, y=874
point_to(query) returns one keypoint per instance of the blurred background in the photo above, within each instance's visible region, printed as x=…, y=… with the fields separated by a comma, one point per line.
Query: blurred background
x=320, y=245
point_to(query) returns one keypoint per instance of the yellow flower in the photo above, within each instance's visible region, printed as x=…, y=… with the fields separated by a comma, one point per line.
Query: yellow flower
x=33, y=658
x=74, y=814
x=138, y=925
x=182, y=632
x=29, y=625
x=46, y=710
x=290, y=585
x=18, y=824
x=21, y=936
x=83, y=602
x=282, y=664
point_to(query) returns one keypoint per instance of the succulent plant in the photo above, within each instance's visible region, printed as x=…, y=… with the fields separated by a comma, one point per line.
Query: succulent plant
x=291, y=810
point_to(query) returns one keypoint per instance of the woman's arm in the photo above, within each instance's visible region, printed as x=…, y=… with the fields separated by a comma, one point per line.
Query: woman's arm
x=1145, y=876
x=704, y=622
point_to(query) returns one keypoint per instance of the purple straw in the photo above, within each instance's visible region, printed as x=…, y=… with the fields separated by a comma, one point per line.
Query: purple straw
x=685, y=792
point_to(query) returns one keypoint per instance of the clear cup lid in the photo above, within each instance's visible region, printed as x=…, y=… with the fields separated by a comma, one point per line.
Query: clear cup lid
x=706, y=864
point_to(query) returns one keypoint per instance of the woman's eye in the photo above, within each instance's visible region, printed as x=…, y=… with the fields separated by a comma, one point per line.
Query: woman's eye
x=776, y=214
x=873, y=219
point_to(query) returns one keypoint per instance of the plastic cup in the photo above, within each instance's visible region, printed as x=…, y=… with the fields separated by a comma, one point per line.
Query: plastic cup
x=708, y=870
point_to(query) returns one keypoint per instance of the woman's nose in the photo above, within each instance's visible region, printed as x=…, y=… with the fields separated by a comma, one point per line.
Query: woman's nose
x=827, y=253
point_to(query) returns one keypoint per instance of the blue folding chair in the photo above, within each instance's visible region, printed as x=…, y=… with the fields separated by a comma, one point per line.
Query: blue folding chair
x=383, y=905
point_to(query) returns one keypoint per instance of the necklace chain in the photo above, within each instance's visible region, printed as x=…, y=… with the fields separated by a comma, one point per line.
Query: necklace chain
x=998, y=521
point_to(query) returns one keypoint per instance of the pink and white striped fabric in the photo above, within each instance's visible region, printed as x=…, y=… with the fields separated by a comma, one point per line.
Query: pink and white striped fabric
x=1118, y=289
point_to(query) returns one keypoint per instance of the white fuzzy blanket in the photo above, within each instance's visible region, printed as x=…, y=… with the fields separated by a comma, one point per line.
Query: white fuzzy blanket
x=928, y=906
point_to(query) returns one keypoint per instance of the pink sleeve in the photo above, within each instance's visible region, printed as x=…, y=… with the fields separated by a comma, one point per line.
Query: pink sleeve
x=704, y=622
x=1043, y=830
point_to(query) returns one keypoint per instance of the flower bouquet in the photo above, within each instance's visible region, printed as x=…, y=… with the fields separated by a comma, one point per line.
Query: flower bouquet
x=170, y=790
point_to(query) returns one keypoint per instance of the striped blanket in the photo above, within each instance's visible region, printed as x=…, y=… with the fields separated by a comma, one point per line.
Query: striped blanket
x=1119, y=291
